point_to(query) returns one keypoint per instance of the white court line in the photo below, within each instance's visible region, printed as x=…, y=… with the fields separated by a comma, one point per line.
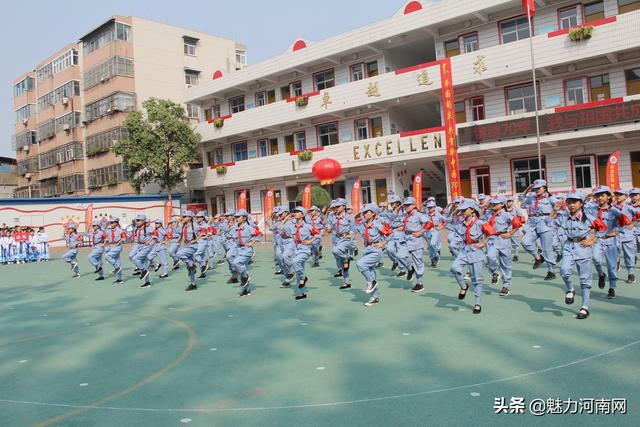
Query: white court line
x=318, y=405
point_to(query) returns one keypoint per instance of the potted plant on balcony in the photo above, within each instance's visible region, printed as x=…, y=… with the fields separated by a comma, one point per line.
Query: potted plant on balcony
x=218, y=123
x=301, y=101
x=305, y=155
x=581, y=33
x=221, y=170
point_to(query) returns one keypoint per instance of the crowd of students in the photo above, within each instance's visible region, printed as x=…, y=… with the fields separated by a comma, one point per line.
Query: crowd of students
x=19, y=245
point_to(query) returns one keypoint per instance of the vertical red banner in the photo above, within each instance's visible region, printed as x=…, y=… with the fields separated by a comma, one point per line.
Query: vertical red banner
x=356, y=197
x=448, y=102
x=613, y=175
x=242, y=200
x=417, y=188
x=88, y=218
x=168, y=210
x=306, y=197
x=269, y=201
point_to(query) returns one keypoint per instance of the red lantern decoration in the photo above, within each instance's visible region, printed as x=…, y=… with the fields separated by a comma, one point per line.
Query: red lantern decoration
x=327, y=171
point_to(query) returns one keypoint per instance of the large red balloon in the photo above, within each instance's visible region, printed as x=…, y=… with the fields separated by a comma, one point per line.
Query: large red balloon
x=327, y=171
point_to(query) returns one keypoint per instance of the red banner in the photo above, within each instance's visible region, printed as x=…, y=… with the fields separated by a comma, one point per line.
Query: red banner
x=168, y=211
x=242, y=200
x=529, y=7
x=417, y=188
x=613, y=176
x=306, y=197
x=269, y=202
x=88, y=218
x=448, y=102
x=356, y=197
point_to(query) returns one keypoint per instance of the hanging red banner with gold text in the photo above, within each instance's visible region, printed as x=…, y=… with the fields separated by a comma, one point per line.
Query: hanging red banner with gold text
x=306, y=197
x=242, y=200
x=417, y=188
x=168, y=211
x=269, y=201
x=448, y=102
x=613, y=177
x=356, y=197
x=88, y=218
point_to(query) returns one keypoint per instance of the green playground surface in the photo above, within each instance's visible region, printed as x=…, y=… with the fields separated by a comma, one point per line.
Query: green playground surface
x=75, y=352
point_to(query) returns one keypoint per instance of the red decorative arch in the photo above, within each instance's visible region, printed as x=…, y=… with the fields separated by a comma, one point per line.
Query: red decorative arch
x=412, y=6
x=217, y=74
x=299, y=44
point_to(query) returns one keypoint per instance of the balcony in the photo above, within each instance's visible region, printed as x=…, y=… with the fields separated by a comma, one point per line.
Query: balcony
x=387, y=149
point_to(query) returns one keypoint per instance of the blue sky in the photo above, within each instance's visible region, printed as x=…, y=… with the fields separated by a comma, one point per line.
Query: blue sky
x=267, y=28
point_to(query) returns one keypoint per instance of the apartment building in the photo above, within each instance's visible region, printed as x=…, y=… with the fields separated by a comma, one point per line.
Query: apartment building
x=70, y=109
x=372, y=98
x=8, y=177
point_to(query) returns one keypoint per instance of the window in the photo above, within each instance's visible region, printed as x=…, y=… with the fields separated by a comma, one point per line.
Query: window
x=118, y=101
x=115, y=66
x=461, y=113
x=274, y=146
x=71, y=183
x=62, y=62
x=600, y=89
x=219, y=158
x=301, y=140
x=103, y=141
x=328, y=134
x=191, y=77
x=67, y=90
x=108, y=175
x=240, y=151
x=376, y=127
x=593, y=11
x=190, y=45
x=271, y=96
x=470, y=43
x=63, y=154
x=525, y=171
x=451, y=48
x=357, y=72
x=323, y=79
x=236, y=104
x=285, y=92
x=212, y=112
x=365, y=188
x=574, y=92
x=520, y=99
x=372, y=69
x=296, y=89
x=477, y=108
x=23, y=113
x=46, y=130
x=633, y=81
x=261, y=99
x=569, y=17
x=23, y=139
x=362, y=129
x=106, y=35
x=67, y=122
x=625, y=6
x=123, y=32
x=241, y=59
x=583, y=168
x=514, y=29
x=263, y=148
x=193, y=111
x=483, y=181
x=23, y=86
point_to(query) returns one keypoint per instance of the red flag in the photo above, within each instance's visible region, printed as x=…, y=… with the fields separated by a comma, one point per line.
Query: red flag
x=306, y=197
x=613, y=176
x=269, y=201
x=88, y=217
x=168, y=210
x=242, y=200
x=531, y=6
x=356, y=197
x=417, y=188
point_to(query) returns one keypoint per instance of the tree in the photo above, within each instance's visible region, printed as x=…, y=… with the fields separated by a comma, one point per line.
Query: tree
x=160, y=147
x=319, y=196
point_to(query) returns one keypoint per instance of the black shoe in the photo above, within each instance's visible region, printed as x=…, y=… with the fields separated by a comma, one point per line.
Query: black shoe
x=372, y=302
x=372, y=287
x=157, y=267
x=232, y=280
x=315, y=264
x=245, y=293
x=136, y=273
x=504, y=292
x=601, y=281
x=338, y=274
x=417, y=288
x=494, y=278
x=570, y=297
x=380, y=265
x=477, y=309
x=299, y=297
x=304, y=283
x=401, y=274
x=410, y=273
x=76, y=275
x=356, y=252
x=176, y=265
x=203, y=270
x=220, y=261
x=279, y=272
x=394, y=266
x=538, y=262
x=202, y=276
x=583, y=313
x=434, y=262
x=244, y=281
x=250, y=262
x=550, y=276
x=611, y=294
x=145, y=285
x=631, y=279
x=117, y=270
x=119, y=282
x=191, y=287
x=192, y=269
x=463, y=292
x=345, y=286
x=285, y=284
x=289, y=277
x=144, y=274
x=99, y=278
x=515, y=258
x=164, y=276
x=558, y=258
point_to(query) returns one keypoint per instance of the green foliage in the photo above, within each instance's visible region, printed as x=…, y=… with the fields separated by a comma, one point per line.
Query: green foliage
x=319, y=197
x=301, y=101
x=581, y=33
x=218, y=123
x=221, y=170
x=305, y=155
x=160, y=147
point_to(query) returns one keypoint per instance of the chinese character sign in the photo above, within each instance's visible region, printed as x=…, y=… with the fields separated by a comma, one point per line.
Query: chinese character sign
x=306, y=197
x=417, y=188
x=88, y=218
x=242, y=200
x=450, y=127
x=613, y=177
x=168, y=210
x=269, y=201
x=356, y=197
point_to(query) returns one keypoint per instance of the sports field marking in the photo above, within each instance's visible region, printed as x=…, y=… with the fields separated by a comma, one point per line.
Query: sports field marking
x=474, y=394
x=82, y=408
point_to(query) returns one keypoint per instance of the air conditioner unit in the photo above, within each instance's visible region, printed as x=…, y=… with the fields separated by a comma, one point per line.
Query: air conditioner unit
x=102, y=79
x=25, y=121
x=27, y=175
x=66, y=127
x=189, y=86
x=65, y=101
x=109, y=111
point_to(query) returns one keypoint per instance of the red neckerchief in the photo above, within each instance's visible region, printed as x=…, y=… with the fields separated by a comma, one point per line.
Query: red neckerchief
x=298, y=239
x=239, y=235
x=406, y=218
x=492, y=220
x=600, y=210
x=93, y=239
x=468, y=232
x=367, y=238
